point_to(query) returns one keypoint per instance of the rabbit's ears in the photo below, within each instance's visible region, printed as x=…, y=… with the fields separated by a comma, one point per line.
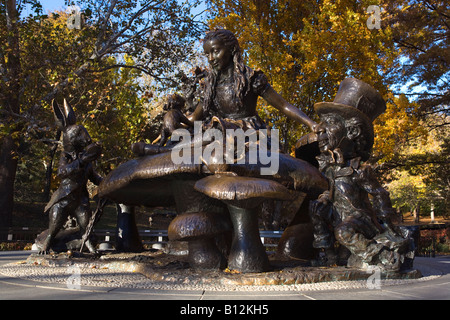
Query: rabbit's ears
x=65, y=116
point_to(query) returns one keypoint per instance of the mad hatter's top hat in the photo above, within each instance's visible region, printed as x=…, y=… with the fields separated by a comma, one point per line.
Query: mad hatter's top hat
x=356, y=98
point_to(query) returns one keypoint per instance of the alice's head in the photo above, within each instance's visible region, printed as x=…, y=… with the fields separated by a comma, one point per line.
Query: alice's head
x=222, y=49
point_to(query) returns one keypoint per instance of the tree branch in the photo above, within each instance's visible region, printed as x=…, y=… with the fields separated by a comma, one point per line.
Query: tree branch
x=109, y=44
x=137, y=67
x=105, y=22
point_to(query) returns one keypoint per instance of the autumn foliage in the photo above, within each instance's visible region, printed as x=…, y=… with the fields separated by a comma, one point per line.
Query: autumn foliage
x=308, y=47
x=112, y=69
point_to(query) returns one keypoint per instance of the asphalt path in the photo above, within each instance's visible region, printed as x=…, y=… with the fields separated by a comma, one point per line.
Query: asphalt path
x=437, y=288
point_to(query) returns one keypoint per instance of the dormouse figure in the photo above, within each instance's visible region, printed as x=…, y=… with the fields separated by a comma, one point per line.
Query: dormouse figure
x=174, y=117
x=74, y=170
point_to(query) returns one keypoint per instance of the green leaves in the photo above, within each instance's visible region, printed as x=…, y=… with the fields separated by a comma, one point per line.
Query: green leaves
x=98, y=68
x=421, y=30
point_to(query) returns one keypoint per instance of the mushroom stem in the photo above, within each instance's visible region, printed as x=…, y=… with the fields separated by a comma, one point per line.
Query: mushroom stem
x=204, y=254
x=247, y=252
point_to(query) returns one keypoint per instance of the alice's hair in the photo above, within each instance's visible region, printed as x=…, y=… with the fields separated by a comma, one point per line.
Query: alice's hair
x=240, y=76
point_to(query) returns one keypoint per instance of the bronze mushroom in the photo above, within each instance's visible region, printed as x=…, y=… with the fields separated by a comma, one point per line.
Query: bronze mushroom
x=242, y=195
x=200, y=229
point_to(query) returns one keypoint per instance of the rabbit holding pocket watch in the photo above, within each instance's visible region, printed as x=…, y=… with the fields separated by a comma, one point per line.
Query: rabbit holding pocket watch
x=74, y=170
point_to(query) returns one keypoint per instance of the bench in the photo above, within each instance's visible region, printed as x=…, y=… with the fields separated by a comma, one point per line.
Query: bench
x=148, y=236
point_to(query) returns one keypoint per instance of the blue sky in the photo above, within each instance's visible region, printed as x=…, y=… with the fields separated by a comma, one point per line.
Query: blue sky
x=51, y=5
x=48, y=6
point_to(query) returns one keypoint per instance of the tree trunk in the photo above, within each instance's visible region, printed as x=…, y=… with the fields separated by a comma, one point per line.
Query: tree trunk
x=8, y=166
x=416, y=214
x=432, y=213
x=8, y=147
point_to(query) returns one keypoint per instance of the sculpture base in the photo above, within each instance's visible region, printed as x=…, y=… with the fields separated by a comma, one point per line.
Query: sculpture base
x=164, y=270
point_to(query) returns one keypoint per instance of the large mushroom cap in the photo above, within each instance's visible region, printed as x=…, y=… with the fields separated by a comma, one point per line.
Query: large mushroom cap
x=197, y=225
x=146, y=180
x=293, y=173
x=243, y=192
x=149, y=180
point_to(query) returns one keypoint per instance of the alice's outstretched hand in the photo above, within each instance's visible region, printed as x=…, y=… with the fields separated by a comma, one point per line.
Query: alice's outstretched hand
x=293, y=113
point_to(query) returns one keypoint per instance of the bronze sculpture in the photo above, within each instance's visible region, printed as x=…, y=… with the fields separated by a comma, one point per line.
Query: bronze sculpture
x=345, y=138
x=192, y=88
x=75, y=169
x=173, y=119
x=231, y=90
x=218, y=199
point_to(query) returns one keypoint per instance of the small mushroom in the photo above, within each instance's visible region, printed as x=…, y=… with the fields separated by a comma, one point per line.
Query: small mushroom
x=242, y=195
x=200, y=230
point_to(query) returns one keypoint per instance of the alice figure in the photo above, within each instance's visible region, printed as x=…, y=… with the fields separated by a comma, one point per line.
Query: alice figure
x=231, y=91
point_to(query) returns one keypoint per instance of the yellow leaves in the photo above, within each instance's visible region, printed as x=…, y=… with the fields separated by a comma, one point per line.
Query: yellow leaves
x=393, y=128
x=399, y=132
x=306, y=50
x=404, y=179
x=231, y=271
x=129, y=61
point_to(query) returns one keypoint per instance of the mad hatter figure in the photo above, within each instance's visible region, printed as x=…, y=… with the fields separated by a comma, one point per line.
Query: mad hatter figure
x=345, y=212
